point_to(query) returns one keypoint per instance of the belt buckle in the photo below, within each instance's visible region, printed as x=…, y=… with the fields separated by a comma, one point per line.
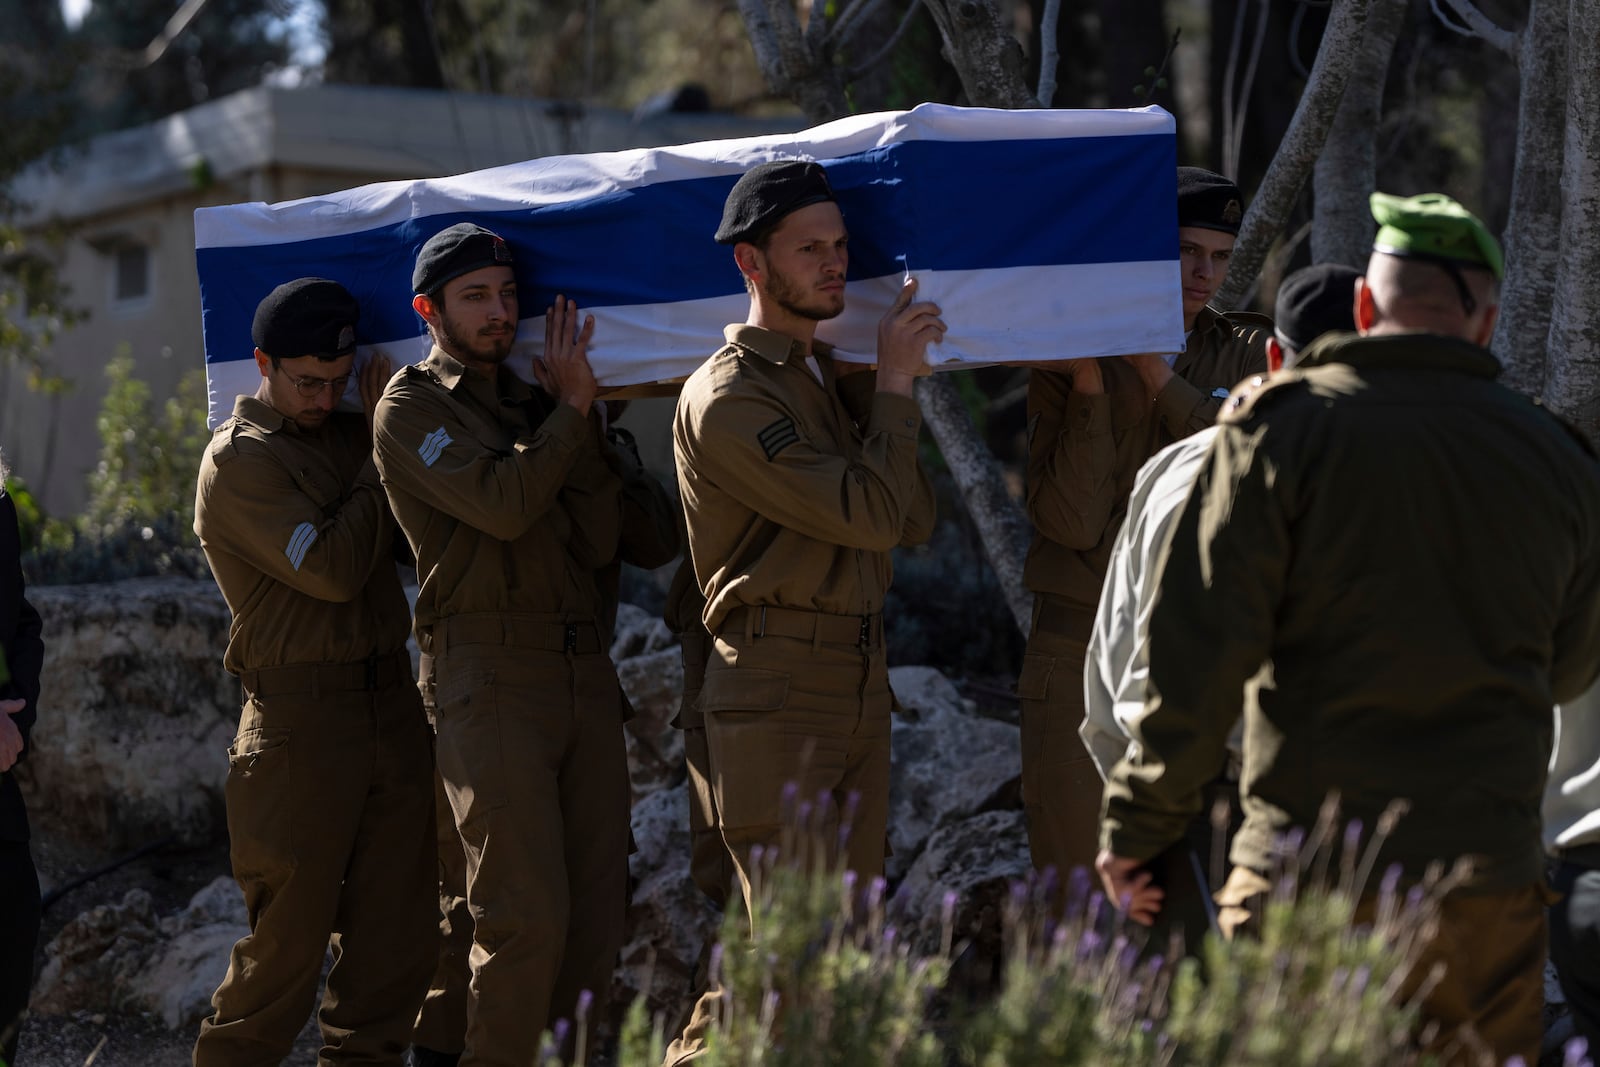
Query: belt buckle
x=569, y=639
x=372, y=672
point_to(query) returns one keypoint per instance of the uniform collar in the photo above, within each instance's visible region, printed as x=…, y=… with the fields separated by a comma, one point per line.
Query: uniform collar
x=770, y=345
x=451, y=372
x=1209, y=318
x=262, y=415
x=1417, y=351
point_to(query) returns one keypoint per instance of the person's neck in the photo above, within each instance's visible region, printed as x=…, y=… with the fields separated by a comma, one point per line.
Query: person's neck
x=787, y=323
x=483, y=368
x=265, y=398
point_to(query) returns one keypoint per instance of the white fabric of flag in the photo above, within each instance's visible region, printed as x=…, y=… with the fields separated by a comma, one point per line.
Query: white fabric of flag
x=1043, y=235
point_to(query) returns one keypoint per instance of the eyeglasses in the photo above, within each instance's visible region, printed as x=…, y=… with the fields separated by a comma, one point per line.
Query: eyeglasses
x=311, y=388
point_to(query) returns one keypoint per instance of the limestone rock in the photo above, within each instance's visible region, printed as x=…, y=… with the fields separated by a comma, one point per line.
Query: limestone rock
x=653, y=683
x=949, y=763
x=638, y=633
x=972, y=864
x=669, y=920
x=136, y=712
x=120, y=957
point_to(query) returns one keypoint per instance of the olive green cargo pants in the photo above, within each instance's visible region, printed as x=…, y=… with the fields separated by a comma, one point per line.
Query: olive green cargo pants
x=1061, y=789
x=709, y=863
x=790, y=721
x=531, y=752
x=442, y=1020
x=330, y=822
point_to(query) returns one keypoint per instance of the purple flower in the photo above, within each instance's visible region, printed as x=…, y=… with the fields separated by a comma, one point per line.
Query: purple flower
x=1352, y=835
x=947, y=907
x=1576, y=1053
x=585, y=1002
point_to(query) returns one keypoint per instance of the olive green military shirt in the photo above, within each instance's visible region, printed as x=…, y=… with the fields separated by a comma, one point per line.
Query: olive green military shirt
x=1414, y=551
x=504, y=494
x=796, y=488
x=1084, y=450
x=300, y=540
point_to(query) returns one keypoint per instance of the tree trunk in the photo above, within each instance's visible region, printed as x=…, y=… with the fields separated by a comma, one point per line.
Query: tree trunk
x=1001, y=524
x=1346, y=170
x=1533, y=231
x=1308, y=132
x=1572, y=384
x=793, y=69
x=978, y=43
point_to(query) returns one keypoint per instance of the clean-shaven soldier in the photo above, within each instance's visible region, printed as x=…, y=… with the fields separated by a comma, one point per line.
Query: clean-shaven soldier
x=329, y=794
x=510, y=506
x=1091, y=426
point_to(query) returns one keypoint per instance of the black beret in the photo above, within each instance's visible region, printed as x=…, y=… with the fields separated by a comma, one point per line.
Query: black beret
x=306, y=317
x=1315, y=301
x=1208, y=200
x=767, y=192
x=458, y=250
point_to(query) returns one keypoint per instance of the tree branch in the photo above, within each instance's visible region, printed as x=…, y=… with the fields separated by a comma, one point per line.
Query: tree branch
x=816, y=32
x=978, y=43
x=1475, y=23
x=1049, y=53
x=1001, y=524
x=1302, y=142
x=851, y=19
x=888, y=48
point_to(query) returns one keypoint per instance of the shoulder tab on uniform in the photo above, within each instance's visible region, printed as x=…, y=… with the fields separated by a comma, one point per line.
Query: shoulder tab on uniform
x=1258, y=389
x=1249, y=319
x=1583, y=440
x=419, y=372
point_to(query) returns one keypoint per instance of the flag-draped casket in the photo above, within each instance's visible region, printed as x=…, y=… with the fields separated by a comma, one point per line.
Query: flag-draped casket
x=1042, y=235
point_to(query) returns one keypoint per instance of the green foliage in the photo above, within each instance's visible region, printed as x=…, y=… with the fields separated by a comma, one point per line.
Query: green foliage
x=149, y=453
x=140, y=515
x=820, y=978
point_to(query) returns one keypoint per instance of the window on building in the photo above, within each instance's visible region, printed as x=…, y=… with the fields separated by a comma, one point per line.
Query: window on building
x=131, y=274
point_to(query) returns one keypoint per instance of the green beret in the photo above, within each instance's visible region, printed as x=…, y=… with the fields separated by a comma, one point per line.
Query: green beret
x=767, y=192
x=1208, y=200
x=460, y=249
x=1433, y=226
x=306, y=317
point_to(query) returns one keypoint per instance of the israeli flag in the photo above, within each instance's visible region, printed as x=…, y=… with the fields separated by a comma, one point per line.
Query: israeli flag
x=1043, y=235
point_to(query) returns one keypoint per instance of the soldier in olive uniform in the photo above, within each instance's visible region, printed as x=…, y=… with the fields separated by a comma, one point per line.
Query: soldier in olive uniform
x=1416, y=551
x=1092, y=424
x=510, y=505
x=650, y=538
x=799, y=475
x=330, y=812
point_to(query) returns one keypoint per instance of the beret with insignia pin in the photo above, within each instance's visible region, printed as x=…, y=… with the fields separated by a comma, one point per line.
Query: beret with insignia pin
x=766, y=193
x=306, y=317
x=1208, y=200
x=460, y=249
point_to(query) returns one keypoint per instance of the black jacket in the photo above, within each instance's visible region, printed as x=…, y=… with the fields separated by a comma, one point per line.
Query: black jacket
x=20, y=629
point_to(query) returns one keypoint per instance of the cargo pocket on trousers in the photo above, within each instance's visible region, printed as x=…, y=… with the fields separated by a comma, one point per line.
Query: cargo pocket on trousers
x=260, y=804
x=1033, y=688
x=471, y=757
x=743, y=689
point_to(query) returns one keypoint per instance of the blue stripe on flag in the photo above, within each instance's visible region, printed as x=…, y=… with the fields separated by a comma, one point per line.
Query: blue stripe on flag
x=942, y=205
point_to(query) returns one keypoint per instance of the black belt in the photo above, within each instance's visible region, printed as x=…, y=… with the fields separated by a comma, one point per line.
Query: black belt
x=544, y=634
x=374, y=672
x=862, y=631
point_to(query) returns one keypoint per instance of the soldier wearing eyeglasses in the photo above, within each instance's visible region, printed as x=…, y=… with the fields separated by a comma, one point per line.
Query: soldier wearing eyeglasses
x=329, y=790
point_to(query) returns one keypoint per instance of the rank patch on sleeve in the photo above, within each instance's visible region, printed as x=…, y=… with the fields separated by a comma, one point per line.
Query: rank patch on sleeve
x=433, y=446
x=299, y=542
x=777, y=437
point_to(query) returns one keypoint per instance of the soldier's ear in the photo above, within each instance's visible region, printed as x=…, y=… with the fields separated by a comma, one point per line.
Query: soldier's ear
x=423, y=305
x=1274, y=355
x=263, y=363
x=748, y=257
x=1366, y=307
